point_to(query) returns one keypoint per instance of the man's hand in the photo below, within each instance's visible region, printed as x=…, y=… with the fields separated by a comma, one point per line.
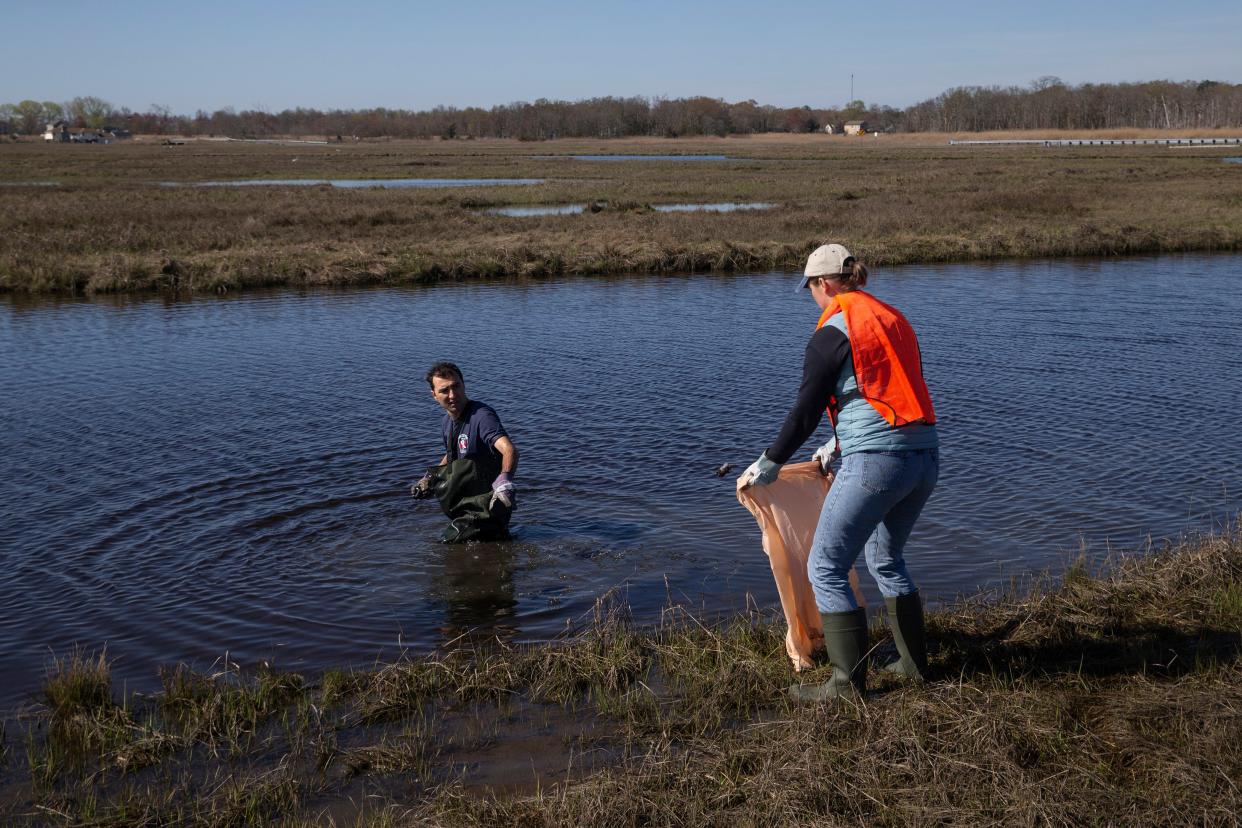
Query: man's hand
x=421, y=490
x=760, y=473
x=503, y=491
x=825, y=454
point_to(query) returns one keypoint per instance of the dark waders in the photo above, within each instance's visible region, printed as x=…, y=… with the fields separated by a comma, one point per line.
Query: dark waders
x=464, y=489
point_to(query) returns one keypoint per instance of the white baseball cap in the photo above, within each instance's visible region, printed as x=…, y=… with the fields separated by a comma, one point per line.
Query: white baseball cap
x=826, y=260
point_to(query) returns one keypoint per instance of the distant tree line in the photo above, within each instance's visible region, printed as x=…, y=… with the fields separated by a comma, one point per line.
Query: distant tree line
x=1045, y=104
x=29, y=117
x=1050, y=104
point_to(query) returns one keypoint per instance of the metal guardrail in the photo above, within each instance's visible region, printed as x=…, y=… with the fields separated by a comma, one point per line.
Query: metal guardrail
x=1108, y=142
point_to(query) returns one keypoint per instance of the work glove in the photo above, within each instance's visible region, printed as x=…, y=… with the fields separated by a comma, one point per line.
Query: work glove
x=421, y=490
x=825, y=454
x=503, y=491
x=760, y=473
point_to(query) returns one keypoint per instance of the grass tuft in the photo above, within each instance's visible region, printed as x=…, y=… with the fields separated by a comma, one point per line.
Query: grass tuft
x=78, y=683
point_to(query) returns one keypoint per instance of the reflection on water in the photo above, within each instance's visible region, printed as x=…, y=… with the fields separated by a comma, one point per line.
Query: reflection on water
x=477, y=589
x=1235, y=160
x=182, y=478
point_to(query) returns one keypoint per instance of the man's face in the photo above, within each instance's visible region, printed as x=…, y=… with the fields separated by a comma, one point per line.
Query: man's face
x=450, y=393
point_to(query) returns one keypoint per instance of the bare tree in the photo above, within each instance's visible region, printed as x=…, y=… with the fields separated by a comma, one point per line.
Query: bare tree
x=29, y=116
x=89, y=111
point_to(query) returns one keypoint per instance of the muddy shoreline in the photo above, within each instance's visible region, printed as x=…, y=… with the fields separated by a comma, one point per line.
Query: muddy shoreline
x=1087, y=698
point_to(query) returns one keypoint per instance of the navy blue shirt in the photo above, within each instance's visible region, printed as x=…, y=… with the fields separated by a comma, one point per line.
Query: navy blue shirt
x=474, y=434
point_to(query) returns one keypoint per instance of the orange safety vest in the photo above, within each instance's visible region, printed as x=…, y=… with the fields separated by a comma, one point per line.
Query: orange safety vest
x=887, y=363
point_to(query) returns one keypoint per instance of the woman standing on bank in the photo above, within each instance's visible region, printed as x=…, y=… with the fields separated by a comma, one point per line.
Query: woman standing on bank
x=862, y=366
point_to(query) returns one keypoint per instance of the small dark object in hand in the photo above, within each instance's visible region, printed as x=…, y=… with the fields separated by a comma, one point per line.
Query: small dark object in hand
x=423, y=489
x=723, y=469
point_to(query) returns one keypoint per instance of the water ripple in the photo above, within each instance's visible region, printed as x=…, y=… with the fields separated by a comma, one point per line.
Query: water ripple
x=178, y=480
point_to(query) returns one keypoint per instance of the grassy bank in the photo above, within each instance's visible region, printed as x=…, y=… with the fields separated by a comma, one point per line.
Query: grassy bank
x=1106, y=699
x=109, y=227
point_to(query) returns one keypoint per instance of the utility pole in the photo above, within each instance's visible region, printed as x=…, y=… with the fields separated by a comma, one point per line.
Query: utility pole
x=851, y=87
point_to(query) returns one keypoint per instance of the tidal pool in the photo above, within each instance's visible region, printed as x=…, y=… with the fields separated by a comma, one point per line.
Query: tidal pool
x=360, y=183
x=571, y=209
x=538, y=210
x=722, y=207
x=640, y=157
x=182, y=479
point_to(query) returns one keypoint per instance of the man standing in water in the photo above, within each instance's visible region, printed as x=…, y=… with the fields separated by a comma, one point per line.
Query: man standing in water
x=474, y=480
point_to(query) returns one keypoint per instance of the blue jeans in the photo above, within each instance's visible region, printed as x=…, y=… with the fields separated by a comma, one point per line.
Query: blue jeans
x=873, y=503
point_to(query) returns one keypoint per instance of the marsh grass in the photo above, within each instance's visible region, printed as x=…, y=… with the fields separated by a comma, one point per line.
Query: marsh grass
x=78, y=684
x=1106, y=696
x=108, y=228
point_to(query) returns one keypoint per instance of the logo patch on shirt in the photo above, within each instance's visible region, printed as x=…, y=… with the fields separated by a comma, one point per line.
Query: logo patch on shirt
x=463, y=442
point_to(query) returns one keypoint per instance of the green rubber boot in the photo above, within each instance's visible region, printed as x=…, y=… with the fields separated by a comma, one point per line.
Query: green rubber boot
x=845, y=639
x=905, y=617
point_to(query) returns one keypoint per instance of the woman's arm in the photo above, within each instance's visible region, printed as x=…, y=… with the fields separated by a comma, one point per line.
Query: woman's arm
x=826, y=354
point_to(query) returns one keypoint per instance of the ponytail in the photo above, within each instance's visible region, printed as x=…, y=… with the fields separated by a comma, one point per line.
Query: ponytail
x=854, y=276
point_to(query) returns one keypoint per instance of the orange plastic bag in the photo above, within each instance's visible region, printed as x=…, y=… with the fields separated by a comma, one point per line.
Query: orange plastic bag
x=787, y=510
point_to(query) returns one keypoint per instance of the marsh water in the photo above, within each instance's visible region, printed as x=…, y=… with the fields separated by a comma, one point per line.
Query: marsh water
x=362, y=183
x=718, y=207
x=641, y=157
x=181, y=479
x=518, y=211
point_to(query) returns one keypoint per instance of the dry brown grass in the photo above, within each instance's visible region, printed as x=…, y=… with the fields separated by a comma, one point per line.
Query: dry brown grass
x=896, y=199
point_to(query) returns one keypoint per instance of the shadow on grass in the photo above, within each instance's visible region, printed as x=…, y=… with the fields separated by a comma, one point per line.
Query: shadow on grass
x=1163, y=615
x=1152, y=650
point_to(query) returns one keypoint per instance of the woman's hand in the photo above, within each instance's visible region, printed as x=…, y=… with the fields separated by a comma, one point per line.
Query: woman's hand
x=825, y=454
x=760, y=473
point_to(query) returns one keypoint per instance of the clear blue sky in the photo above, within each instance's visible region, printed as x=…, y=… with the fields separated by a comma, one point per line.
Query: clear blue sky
x=362, y=53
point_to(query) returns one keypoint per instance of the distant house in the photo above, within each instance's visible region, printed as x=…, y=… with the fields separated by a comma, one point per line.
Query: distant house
x=830, y=129
x=58, y=131
x=856, y=128
x=100, y=136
